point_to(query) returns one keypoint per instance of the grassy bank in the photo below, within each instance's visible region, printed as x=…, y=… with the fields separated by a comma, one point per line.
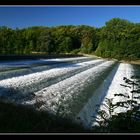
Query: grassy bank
x=122, y=61
x=20, y=119
x=137, y=62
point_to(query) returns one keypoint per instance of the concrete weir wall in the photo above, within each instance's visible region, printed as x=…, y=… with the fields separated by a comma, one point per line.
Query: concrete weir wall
x=124, y=70
x=79, y=85
x=90, y=108
x=107, y=89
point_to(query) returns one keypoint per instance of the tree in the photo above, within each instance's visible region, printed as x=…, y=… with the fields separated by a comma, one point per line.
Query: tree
x=118, y=39
x=66, y=45
x=45, y=42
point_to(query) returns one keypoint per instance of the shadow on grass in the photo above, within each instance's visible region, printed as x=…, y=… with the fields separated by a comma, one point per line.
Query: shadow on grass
x=21, y=119
x=17, y=118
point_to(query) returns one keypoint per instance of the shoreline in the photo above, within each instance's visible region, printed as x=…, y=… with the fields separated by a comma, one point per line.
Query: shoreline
x=38, y=56
x=137, y=62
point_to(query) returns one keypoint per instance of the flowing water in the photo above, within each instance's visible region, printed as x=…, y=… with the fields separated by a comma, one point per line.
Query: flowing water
x=72, y=87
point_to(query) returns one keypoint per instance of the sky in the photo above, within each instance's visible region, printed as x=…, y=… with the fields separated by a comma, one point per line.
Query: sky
x=96, y=16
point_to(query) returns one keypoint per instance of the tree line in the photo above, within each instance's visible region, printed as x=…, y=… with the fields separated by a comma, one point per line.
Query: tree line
x=118, y=39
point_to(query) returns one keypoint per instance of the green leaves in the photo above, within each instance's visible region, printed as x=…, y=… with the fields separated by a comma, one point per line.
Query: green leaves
x=128, y=121
x=118, y=39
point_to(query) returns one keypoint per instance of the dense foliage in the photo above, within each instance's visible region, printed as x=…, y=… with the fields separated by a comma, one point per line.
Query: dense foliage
x=118, y=39
x=54, y=40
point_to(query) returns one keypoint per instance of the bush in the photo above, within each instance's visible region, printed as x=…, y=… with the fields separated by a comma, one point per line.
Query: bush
x=128, y=121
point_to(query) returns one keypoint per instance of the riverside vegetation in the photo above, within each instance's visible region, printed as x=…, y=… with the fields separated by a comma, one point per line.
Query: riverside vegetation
x=127, y=121
x=118, y=39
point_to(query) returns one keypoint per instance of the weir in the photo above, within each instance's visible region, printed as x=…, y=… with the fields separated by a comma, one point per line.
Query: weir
x=80, y=86
x=109, y=87
x=74, y=91
x=25, y=85
x=124, y=70
x=85, y=116
x=29, y=67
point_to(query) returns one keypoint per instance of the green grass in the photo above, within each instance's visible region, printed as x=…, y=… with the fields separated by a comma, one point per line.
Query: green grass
x=21, y=119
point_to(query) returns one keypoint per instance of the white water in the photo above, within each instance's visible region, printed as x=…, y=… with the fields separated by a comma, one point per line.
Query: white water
x=109, y=87
x=124, y=70
x=29, y=70
x=86, y=73
x=89, y=110
x=16, y=64
x=26, y=82
x=70, y=87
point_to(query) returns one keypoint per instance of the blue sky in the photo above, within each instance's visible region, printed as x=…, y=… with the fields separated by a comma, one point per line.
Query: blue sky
x=25, y=16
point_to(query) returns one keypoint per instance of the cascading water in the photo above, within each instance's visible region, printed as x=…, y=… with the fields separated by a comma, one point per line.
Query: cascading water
x=124, y=70
x=73, y=86
x=77, y=86
x=27, y=67
x=86, y=115
x=114, y=87
x=33, y=82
